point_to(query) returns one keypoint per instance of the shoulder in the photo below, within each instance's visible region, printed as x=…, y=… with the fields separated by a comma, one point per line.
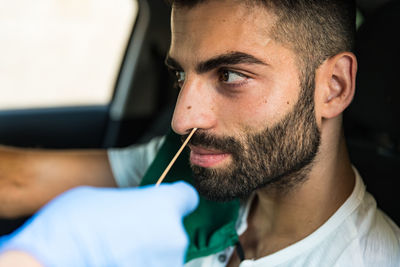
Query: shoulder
x=375, y=237
x=129, y=164
x=381, y=241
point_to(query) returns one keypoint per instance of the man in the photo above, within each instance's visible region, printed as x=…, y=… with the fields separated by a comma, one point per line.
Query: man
x=265, y=83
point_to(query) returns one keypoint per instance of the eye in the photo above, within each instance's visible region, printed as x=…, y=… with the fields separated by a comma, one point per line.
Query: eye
x=232, y=77
x=180, y=78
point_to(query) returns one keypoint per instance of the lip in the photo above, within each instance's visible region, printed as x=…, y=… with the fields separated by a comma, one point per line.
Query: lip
x=206, y=158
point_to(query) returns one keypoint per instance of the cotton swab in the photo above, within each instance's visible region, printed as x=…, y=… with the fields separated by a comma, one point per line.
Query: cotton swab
x=175, y=157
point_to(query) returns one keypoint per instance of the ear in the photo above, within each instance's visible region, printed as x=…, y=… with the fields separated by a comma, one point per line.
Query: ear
x=335, y=82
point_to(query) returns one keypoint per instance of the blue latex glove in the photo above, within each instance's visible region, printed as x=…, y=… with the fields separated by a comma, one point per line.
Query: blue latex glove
x=109, y=227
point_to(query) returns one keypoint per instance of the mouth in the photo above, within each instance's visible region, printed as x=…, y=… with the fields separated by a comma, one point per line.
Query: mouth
x=207, y=158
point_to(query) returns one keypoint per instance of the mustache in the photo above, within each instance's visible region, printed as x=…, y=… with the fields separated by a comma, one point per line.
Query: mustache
x=227, y=144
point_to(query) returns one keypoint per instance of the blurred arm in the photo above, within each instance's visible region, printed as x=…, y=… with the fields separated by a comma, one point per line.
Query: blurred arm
x=30, y=178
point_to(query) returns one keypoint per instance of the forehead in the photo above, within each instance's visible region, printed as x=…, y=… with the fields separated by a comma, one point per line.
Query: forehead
x=217, y=27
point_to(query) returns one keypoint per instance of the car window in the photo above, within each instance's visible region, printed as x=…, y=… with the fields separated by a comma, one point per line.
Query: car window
x=62, y=52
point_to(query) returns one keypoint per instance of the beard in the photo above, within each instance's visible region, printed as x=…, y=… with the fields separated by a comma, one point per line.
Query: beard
x=278, y=157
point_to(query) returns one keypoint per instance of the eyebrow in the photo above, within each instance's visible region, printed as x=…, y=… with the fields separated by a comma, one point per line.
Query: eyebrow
x=232, y=58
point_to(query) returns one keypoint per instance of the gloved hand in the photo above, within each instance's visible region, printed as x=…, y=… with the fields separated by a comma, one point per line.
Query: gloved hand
x=109, y=227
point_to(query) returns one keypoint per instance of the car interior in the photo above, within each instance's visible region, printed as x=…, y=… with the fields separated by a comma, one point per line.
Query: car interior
x=144, y=97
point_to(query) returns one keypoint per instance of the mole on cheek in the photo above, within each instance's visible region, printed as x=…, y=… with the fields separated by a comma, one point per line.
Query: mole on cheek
x=189, y=107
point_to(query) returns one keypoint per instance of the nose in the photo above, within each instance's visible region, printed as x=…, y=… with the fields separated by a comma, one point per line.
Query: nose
x=194, y=107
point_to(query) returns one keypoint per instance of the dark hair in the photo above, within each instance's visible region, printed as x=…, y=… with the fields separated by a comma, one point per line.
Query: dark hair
x=314, y=29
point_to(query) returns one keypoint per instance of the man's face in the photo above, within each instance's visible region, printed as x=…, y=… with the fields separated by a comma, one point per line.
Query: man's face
x=243, y=91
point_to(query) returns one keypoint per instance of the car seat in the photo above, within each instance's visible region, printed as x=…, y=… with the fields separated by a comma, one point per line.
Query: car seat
x=371, y=122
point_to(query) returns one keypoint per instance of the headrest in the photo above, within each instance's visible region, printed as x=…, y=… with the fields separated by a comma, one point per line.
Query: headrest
x=376, y=107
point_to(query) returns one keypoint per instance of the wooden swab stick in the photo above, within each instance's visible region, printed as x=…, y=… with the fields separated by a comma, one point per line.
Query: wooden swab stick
x=175, y=157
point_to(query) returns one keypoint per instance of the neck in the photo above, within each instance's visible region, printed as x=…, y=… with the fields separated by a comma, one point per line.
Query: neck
x=277, y=220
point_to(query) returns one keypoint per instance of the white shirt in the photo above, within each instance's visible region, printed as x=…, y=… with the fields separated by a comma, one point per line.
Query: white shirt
x=130, y=164
x=358, y=234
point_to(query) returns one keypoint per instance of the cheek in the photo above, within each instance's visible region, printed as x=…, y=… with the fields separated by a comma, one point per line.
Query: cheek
x=250, y=110
x=259, y=109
